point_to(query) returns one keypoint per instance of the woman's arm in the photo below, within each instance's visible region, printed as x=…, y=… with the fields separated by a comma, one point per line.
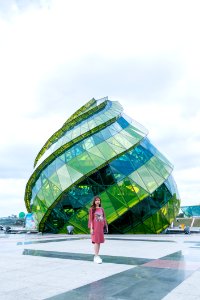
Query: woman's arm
x=105, y=221
x=90, y=221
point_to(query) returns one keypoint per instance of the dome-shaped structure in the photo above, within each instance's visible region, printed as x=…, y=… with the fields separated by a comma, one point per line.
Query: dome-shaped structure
x=101, y=151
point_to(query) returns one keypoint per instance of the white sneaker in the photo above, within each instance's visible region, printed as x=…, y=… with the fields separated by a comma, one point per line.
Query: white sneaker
x=97, y=259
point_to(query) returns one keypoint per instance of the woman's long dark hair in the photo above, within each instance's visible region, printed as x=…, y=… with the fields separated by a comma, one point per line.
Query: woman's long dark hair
x=93, y=203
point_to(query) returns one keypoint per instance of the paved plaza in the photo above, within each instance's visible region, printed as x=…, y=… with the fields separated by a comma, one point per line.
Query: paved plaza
x=58, y=267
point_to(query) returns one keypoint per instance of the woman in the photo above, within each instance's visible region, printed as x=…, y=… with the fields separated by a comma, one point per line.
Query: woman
x=97, y=222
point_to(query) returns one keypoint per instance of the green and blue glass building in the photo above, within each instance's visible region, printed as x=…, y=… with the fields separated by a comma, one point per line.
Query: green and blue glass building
x=101, y=151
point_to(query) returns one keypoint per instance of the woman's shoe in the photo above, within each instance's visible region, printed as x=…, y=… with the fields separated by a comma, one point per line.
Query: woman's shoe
x=97, y=259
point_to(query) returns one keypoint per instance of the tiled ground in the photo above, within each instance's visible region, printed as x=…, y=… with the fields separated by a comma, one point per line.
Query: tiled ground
x=134, y=267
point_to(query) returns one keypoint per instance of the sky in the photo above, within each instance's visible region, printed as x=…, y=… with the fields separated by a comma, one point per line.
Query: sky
x=56, y=55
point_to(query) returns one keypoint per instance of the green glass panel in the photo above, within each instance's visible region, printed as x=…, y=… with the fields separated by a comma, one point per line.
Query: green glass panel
x=82, y=213
x=35, y=206
x=76, y=132
x=64, y=177
x=117, y=149
x=88, y=143
x=74, y=174
x=110, y=211
x=128, y=192
x=139, y=191
x=114, y=142
x=158, y=179
x=158, y=222
x=159, y=166
x=97, y=161
x=119, y=207
x=137, y=179
x=133, y=140
x=170, y=208
x=150, y=224
x=106, y=116
x=163, y=159
x=47, y=193
x=106, y=150
x=134, y=131
x=97, y=152
x=40, y=195
x=92, y=124
x=121, y=139
x=66, y=140
x=168, y=168
x=140, y=229
x=148, y=179
x=56, y=191
x=84, y=128
x=74, y=163
x=42, y=206
x=55, y=180
x=85, y=162
x=116, y=192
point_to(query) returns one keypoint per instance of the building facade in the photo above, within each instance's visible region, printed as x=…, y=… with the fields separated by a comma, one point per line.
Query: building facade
x=101, y=151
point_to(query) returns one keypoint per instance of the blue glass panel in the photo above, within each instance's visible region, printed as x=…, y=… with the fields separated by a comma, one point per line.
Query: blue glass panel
x=139, y=156
x=117, y=174
x=68, y=155
x=106, y=133
x=78, y=149
x=51, y=168
x=59, y=163
x=191, y=211
x=123, y=165
x=122, y=122
x=97, y=139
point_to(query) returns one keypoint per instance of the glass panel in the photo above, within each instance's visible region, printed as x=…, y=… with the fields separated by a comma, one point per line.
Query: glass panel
x=120, y=206
x=110, y=212
x=122, y=164
x=123, y=141
x=106, y=150
x=128, y=192
x=56, y=191
x=55, y=180
x=89, y=143
x=74, y=174
x=149, y=224
x=122, y=122
x=64, y=177
x=97, y=161
x=135, y=176
x=97, y=152
x=146, y=177
x=47, y=193
x=114, y=142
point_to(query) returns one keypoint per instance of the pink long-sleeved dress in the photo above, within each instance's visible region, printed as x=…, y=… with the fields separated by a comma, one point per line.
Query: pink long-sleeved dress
x=98, y=220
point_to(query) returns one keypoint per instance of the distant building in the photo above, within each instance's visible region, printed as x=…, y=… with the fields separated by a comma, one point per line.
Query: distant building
x=12, y=220
x=101, y=151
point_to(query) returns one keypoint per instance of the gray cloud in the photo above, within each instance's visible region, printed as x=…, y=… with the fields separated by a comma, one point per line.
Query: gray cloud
x=17, y=161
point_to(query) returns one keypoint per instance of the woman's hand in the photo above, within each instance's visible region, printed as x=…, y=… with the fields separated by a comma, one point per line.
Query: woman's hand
x=91, y=230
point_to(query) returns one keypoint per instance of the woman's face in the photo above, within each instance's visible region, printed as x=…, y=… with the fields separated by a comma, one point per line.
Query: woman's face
x=97, y=201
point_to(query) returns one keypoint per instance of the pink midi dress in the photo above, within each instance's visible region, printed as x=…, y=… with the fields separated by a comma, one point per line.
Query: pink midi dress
x=98, y=220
